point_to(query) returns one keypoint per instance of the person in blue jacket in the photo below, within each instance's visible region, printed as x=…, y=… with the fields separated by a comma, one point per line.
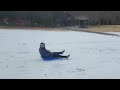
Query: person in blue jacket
x=46, y=54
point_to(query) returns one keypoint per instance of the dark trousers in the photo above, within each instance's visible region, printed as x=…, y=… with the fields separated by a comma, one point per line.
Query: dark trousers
x=57, y=55
x=62, y=56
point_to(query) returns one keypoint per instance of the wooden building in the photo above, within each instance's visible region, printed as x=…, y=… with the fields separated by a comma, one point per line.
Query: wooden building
x=82, y=22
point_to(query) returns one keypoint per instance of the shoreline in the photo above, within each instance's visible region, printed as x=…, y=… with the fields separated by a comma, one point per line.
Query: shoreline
x=102, y=28
x=31, y=28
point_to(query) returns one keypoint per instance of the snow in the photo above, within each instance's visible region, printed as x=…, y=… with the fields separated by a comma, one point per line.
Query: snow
x=92, y=55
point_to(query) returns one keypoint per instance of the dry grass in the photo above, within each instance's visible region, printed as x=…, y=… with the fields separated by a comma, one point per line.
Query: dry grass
x=106, y=28
x=50, y=29
x=102, y=28
x=31, y=28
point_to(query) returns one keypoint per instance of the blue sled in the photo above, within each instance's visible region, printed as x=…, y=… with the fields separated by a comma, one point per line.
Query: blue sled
x=50, y=59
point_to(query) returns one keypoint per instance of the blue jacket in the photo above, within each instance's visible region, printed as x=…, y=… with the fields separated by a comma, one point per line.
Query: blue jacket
x=45, y=53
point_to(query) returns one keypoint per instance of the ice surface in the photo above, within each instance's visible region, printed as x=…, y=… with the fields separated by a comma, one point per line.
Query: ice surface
x=92, y=55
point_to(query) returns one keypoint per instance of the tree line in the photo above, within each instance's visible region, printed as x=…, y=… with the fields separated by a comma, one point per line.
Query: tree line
x=57, y=18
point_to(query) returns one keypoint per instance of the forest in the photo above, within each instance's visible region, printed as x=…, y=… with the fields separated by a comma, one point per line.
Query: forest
x=57, y=18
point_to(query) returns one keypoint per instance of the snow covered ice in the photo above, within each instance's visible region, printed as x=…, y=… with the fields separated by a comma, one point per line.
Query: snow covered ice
x=92, y=55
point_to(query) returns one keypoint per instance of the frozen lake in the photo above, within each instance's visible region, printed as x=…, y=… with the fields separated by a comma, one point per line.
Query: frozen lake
x=92, y=55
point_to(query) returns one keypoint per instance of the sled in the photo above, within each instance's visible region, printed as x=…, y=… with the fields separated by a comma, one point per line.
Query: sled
x=49, y=59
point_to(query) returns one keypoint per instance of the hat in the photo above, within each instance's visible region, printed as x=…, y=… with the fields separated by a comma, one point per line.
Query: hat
x=42, y=44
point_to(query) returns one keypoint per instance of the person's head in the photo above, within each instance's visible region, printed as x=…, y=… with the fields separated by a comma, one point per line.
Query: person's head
x=42, y=45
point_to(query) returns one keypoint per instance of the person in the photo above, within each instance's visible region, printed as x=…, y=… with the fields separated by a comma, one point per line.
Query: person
x=46, y=54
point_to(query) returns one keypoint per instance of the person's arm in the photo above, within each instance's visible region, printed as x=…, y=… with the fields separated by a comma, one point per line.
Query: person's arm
x=48, y=51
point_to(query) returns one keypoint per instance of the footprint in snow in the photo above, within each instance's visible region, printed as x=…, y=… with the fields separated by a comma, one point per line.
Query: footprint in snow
x=20, y=67
x=80, y=70
x=11, y=56
x=24, y=44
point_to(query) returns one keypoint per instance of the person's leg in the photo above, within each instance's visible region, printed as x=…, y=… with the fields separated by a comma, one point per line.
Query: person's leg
x=60, y=56
x=58, y=52
x=63, y=56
